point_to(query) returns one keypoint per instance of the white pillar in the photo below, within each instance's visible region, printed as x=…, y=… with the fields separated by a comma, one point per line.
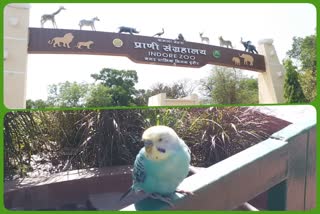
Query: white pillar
x=16, y=23
x=157, y=100
x=270, y=82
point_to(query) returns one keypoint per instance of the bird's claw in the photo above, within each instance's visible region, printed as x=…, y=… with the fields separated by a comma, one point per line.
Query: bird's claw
x=167, y=200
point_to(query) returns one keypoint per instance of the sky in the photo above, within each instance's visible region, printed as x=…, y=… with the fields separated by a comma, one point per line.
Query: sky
x=254, y=22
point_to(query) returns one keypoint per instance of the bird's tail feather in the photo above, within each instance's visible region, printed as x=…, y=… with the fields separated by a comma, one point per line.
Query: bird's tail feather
x=126, y=193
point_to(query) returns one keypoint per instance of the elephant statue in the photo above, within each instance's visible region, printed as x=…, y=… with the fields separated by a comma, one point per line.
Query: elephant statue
x=247, y=59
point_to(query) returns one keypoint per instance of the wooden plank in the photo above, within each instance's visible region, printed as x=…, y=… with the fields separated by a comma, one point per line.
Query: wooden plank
x=231, y=182
x=299, y=184
x=297, y=172
x=310, y=197
x=140, y=49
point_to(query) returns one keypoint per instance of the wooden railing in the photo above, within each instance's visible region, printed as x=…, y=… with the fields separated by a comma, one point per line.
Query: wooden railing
x=284, y=166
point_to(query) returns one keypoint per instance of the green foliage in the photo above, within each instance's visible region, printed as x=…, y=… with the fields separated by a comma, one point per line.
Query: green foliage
x=37, y=104
x=217, y=133
x=309, y=85
x=25, y=133
x=214, y=134
x=304, y=52
x=141, y=97
x=99, y=96
x=99, y=138
x=121, y=84
x=248, y=91
x=293, y=92
x=114, y=88
x=228, y=86
x=67, y=94
x=109, y=137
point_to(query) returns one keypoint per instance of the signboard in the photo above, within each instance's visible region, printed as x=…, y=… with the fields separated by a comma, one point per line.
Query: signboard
x=140, y=49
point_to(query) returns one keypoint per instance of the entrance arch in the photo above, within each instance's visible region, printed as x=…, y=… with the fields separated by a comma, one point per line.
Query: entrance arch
x=140, y=49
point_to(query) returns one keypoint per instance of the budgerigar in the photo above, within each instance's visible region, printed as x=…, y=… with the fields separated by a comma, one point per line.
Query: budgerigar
x=161, y=164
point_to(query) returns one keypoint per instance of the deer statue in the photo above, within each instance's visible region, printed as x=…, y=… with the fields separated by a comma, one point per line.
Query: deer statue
x=248, y=46
x=47, y=17
x=204, y=38
x=90, y=23
x=159, y=34
x=226, y=43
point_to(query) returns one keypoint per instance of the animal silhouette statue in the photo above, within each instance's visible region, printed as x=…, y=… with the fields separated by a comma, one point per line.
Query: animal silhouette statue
x=204, y=38
x=50, y=17
x=130, y=30
x=226, y=43
x=86, y=44
x=90, y=23
x=180, y=37
x=247, y=59
x=64, y=40
x=159, y=34
x=249, y=47
x=236, y=60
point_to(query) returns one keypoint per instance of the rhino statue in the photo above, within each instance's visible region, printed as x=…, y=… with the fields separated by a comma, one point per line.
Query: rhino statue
x=127, y=30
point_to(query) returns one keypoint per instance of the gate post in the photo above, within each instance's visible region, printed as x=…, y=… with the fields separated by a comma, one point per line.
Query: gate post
x=16, y=23
x=270, y=82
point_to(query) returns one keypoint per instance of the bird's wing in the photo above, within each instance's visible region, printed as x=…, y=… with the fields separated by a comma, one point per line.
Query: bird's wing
x=185, y=146
x=139, y=172
x=138, y=175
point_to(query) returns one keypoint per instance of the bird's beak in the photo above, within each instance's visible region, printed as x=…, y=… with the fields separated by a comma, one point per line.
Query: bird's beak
x=148, y=145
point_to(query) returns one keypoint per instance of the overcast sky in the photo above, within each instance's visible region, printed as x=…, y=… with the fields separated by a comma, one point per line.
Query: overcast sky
x=254, y=22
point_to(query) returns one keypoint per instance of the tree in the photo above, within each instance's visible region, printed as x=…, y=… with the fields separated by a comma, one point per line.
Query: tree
x=293, y=92
x=228, y=86
x=142, y=96
x=248, y=91
x=67, y=94
x=309, y=85
x=36, y=104
x=121, y=84
x=173, y=91
x=98, y=96
x=304, y=52
x=179, y=89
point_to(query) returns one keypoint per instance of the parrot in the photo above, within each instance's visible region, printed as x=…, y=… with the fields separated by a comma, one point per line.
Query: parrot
x=161, y=165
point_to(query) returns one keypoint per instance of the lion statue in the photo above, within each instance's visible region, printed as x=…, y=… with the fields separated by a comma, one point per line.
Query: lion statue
x=65, y=40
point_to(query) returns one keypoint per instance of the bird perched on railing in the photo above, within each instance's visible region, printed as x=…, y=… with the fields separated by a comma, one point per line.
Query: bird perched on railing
x=161, y=165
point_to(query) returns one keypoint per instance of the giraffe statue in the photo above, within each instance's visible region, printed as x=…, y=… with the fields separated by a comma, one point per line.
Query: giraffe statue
x=47, y=17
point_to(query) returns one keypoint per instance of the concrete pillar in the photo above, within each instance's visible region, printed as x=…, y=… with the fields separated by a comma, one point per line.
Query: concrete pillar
x=270, y=82
x=16, y=23
x=157, y=100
